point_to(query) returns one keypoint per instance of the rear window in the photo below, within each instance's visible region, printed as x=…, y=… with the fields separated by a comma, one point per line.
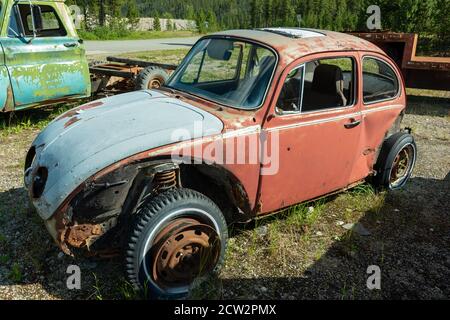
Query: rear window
x=380, y=82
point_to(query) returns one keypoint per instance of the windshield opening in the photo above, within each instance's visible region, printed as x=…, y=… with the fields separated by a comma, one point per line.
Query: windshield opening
x=226, y=71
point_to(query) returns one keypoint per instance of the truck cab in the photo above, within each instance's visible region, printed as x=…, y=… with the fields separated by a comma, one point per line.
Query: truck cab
x=42, y=59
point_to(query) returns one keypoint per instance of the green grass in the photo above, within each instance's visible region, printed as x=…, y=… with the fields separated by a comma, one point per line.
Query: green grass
x=97, y=294
x=174, y=56
x=4, y=259
x=121, y=34
x=305, y=214
x=16, y=122
x=2, y=239
x=127, y=292
x=15, y=274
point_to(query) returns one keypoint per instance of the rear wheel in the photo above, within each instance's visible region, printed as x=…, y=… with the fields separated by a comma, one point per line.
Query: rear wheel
x=396, y=161
x=151, y=78
x=178, y=236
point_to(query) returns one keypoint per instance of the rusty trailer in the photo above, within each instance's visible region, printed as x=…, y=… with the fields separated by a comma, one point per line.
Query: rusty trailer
x=422, y=72
x=119, y=75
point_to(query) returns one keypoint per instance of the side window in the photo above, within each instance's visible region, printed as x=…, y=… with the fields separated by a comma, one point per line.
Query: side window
x=379, y=81
x=319, y=85
x=14, y=29
x=21, y=22
x=290, y=99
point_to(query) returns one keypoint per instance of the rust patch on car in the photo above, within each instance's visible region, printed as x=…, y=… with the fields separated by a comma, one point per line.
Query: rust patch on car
x=82, y=108
x=71, y=122
x=82, y=235
x=9, y=104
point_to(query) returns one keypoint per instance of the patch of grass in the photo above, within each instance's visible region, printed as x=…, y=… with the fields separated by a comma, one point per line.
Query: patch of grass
x=305, y=214
x=16, y=122
x=174, y=56
x=363, y=198
x=348, y=293
x=127, y=292
x=4, y=259
x=15, y=273
x=97, y=294
x=349, y=243
x=2, y=239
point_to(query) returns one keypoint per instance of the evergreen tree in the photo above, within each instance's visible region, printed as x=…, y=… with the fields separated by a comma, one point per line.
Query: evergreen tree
x=156, y=23
x=427, y=17
x=132, y=14
x=268, y=13
x=212, y=21
x=256, y=13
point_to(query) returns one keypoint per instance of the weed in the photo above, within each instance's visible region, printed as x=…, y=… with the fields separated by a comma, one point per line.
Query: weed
x=4, y=259
x=15, y=274
x=97, y=294
x=274, y=238
x=127, y=291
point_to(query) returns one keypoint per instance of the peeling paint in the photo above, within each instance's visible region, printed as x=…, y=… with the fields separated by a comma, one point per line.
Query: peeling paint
x=44, y=70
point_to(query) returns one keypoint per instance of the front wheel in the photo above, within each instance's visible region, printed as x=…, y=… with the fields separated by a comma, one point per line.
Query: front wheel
x=396, y=161
x=179, y=235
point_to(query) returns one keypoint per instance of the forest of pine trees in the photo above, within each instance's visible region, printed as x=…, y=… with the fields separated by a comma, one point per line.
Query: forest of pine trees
x=430, y=17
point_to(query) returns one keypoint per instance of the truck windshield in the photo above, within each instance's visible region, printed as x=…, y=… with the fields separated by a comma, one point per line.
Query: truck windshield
x=230, y=72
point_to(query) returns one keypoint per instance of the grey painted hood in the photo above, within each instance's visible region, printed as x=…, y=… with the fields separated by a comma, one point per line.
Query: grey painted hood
x=90, y=138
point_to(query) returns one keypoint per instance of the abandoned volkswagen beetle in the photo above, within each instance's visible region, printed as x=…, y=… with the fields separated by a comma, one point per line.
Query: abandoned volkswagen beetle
x=251, y=122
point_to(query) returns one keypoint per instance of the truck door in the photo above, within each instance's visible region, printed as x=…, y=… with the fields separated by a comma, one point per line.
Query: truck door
x=47, y=65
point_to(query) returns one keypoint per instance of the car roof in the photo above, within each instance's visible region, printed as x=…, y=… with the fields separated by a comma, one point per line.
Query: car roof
x=294, y=43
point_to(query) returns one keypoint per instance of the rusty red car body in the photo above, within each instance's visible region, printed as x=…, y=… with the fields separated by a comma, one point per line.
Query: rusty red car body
x=320, y=152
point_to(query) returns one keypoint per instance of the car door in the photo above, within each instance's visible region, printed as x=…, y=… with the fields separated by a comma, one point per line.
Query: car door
x=48, y=67
x=316, y=123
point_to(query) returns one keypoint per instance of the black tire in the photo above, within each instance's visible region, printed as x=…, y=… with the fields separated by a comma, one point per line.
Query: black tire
x=153, y=221
x=151, y=78
x=397, y=146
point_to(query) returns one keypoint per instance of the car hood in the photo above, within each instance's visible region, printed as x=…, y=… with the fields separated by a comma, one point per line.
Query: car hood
x=89, y=138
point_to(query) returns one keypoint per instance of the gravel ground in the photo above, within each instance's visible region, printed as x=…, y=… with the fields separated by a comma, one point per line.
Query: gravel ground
x=409, y=237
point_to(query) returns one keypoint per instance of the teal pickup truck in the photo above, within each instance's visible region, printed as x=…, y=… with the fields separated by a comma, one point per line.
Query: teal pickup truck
x=43, y=61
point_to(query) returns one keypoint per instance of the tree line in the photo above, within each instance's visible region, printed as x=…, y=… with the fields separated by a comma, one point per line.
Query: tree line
x=428, y=17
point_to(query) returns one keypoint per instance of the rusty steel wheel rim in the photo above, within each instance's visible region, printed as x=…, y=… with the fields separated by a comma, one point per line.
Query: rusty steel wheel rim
x=154, y=84
x=184, y=249
x=402, y=166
